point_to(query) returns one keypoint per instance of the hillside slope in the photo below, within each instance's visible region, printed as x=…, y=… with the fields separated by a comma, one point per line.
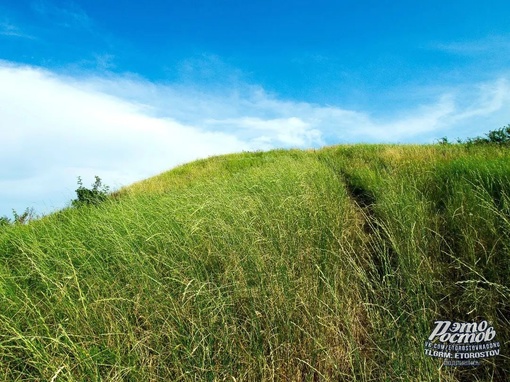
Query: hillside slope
x=329, y=264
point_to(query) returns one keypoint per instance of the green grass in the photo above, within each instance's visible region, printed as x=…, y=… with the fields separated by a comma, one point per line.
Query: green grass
x=293, y=265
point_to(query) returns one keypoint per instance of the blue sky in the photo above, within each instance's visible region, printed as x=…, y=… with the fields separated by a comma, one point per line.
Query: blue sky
x=128, y=89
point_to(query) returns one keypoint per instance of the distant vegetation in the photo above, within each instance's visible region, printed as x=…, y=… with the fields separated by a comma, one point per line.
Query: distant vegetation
x=84, y=196
x=317, y=265
x=494, y=137
x=23, y=218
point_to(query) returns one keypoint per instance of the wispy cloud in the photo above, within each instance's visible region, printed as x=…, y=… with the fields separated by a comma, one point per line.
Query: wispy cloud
x=483, y=100
x=57, y=127
x=268, y=133
x=70, y=16
x=495, y=43
x=9, y=29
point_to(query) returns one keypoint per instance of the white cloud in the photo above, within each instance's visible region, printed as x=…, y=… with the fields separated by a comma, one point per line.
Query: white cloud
x=56, y=127
x=249, y=111
x=54, y=130
x=276, y=132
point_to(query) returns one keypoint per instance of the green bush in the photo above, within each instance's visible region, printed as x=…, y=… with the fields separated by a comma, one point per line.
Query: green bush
x=85, y=196
x=499, y=137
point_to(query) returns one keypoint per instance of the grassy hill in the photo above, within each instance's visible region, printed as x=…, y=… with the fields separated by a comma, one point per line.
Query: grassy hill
x=316, y=265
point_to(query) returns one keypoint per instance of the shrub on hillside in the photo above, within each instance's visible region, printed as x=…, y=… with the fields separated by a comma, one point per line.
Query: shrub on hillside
x=90, y=196
x=498, y=137
x=23, y=218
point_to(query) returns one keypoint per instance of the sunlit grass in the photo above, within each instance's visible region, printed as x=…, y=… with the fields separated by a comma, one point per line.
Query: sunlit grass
x=287, y=265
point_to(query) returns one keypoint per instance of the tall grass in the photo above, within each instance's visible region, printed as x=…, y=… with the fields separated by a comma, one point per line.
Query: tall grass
x=241, y=276
x=441, y=221
x=285, y=265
